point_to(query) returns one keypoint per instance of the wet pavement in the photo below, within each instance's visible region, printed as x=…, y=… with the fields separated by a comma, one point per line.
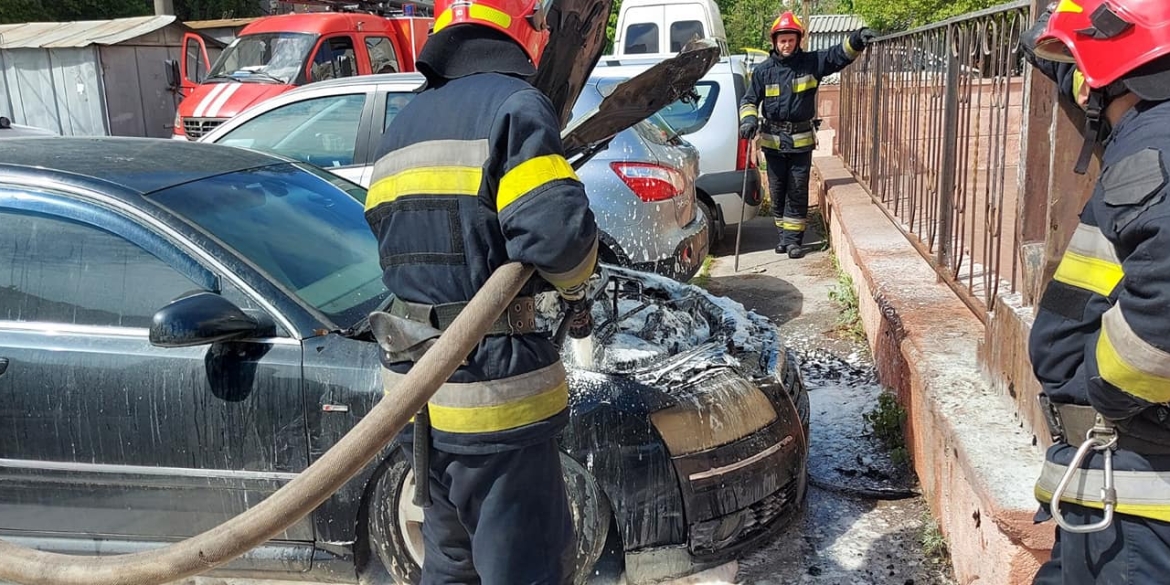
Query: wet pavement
x=859, y=526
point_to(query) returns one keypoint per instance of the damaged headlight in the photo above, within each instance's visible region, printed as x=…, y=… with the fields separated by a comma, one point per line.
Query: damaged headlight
x=718, y=408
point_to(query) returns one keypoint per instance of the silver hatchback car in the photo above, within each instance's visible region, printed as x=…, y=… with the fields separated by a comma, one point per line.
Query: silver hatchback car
x=641, y=188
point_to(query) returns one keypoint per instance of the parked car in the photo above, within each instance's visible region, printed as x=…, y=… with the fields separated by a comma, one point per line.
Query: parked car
x=686, y=441
x=645, y=206
x=710, y=122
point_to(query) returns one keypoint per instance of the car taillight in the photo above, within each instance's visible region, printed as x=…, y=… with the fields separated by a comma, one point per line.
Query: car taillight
x=650, y=182
x=742, y=161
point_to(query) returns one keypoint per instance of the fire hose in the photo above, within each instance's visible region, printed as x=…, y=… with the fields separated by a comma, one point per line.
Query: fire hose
x=300, y=496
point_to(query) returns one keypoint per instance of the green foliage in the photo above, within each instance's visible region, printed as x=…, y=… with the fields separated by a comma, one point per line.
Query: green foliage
x=845, y=297
x=897, y=15
x=703, y=276
x=12, y=11
x=886, y=421
x=934, y=544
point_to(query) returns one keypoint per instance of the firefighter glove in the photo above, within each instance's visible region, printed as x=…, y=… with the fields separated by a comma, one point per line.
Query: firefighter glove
x=580, y=316
x=747, y=128
x=862, y=38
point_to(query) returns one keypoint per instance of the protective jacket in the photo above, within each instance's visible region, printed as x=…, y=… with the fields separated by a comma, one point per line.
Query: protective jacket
x=472, y=176
x=784, y=91
x=1100, y=335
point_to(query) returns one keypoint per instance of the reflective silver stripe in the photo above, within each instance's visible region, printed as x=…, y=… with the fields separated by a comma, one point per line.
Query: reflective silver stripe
x=433, y=153
x=1089, y=241
x=491, y=392
x=1137, y=352
x=1140, y=493
x=575, y=275
x=803, y=139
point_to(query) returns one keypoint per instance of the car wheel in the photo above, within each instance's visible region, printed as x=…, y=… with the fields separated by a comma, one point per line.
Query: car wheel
x=714, y=224
x=395, y=523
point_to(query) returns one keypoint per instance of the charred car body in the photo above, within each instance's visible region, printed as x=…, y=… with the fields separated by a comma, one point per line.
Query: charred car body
x=260, y=271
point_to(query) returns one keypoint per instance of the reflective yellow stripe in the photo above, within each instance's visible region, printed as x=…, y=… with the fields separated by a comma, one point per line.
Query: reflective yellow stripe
x=849, y=50
x=747, y=110
x=769, y=141
x=804, y=139
x=1088, y=273
x=531, y=174
x=772, y=91
x=1129, y=363
x=488, y=419
x=1069, y=6
x=804, y=83
x=1139, y=493
x=475, y=12
x=425, y=181
x=1078, y=81
x=574, y=276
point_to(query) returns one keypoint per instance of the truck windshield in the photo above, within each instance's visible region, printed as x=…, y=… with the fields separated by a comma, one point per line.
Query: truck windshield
x=264, y=57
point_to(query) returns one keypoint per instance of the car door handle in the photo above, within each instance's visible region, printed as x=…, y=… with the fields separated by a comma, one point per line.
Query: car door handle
x=3, y=365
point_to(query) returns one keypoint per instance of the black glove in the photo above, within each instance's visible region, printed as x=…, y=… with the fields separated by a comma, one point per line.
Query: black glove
x=580, y=316
x=862, y=38
x=747, y=128
x=1029, y=37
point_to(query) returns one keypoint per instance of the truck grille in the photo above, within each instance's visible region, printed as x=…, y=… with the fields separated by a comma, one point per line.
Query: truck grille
x=716, y=534
x=195, y=128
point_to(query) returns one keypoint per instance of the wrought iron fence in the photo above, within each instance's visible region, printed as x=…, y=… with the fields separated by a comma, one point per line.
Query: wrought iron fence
x=931, y=125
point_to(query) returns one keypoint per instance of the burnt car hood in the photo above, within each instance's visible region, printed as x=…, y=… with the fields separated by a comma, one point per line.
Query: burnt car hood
x=574, y=47
x=639, y=97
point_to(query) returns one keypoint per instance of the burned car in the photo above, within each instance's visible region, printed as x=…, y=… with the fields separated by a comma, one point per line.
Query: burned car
x=686, y=441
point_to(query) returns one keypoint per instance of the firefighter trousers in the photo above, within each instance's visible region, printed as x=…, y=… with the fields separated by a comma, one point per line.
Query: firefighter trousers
x=1131, y=550
x=498, y=519
x=788, y=175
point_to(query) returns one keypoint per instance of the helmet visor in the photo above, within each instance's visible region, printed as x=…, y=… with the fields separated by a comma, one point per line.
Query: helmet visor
x=1054, y=49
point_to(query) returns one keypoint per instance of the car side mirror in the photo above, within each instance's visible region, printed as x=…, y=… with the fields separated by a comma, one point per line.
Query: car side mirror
x=203, y=318
x=173, y=76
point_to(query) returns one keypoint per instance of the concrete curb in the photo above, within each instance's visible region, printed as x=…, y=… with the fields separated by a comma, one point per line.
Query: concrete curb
x=976, y=464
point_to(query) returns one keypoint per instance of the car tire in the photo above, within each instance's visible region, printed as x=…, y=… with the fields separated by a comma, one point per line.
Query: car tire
x=715, y=226
x=394, y=523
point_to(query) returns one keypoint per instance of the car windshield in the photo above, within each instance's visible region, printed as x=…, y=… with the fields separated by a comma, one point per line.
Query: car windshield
x=303, y=227
x=264, y=57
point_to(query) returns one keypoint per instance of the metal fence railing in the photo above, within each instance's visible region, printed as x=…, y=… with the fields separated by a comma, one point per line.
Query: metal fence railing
x=931, y=125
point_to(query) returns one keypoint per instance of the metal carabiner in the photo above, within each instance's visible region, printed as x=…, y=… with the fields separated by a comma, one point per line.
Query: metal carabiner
x=1102, y=437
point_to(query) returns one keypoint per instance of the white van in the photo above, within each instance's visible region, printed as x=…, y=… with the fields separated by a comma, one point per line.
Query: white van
x=661, y=27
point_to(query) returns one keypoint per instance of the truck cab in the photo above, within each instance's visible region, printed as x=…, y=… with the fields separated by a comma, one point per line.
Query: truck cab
x=275, y=54
x=663, y=27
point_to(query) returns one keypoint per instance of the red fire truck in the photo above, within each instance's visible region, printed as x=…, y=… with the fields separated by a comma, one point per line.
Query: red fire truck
x=274, y=54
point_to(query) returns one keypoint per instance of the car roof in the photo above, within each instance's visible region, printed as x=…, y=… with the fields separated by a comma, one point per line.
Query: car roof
x=404, y=78
x=138, y=165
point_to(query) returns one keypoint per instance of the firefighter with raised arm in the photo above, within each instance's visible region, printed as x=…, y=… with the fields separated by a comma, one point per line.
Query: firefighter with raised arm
x=1100, y=344
x=780, y=104
x=471, y=175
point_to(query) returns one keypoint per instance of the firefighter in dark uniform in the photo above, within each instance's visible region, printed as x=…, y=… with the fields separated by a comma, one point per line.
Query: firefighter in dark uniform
x=471, y=175
x=1100, y=344
x=784, y=91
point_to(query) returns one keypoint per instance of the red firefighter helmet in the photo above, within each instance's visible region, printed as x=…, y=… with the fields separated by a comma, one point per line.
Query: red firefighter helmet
x=523, y=21
x=1110, y=40
x=787, y=23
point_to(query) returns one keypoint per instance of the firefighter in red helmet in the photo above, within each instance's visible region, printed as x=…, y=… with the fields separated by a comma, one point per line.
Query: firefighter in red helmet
x=783, y=92
x=471, y=175
x=1100, y=344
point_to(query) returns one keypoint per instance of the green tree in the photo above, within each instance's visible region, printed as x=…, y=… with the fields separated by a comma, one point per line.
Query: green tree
x=898, y=15
x=67, y=10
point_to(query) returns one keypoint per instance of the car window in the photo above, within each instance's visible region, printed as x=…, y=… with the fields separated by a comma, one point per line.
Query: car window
x=642, y=38
x=54, y=270
x=320, y=131
x=334, y=58
x=195, y=65
x=394, y=103
x=691, y=115
x=382, y=57
x=305, y=232
x=683, y=32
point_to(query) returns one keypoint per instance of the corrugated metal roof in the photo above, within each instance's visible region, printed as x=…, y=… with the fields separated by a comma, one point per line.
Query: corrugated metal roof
x=50, y=35
x=219, y=23
x=828, y=23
